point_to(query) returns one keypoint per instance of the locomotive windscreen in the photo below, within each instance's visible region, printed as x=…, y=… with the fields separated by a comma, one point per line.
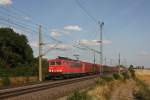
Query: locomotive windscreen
x=54, y=63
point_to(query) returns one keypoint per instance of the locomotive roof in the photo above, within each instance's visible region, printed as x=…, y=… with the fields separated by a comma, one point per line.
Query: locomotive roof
x=68, y=59
x=63, y=58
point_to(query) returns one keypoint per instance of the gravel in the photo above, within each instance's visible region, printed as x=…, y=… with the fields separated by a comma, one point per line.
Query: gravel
x=56, y=92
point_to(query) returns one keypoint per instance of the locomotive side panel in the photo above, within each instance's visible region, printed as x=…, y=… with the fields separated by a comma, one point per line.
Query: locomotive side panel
x=73, y=67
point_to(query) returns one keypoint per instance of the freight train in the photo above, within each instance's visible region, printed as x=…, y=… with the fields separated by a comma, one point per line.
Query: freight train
x=63, y=67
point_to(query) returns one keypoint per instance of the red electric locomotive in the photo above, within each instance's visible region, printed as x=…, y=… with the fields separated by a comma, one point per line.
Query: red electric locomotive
x=65, y=67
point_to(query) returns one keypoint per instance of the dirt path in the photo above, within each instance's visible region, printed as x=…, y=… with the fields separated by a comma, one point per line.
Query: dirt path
x=123, y=91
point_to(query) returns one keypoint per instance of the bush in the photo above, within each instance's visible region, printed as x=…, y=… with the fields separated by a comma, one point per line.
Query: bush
x=2, y=63
x=24, y=71
x=125, y=75
x=5, y=81
x=132, y=72
x=79, y=96
x=117, y=76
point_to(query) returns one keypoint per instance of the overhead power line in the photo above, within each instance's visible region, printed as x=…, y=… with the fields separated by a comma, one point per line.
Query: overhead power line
x=16, y=18
x=19, y=11
x=18, y=25
x=86, y=11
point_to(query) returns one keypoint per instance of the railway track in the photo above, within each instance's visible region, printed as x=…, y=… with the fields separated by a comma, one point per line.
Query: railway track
x=12, y=92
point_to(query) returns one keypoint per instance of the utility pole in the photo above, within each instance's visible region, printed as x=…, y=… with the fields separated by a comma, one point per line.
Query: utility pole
x=105, y=60
x=101, y=24
x=40, y=53
x=119, y=63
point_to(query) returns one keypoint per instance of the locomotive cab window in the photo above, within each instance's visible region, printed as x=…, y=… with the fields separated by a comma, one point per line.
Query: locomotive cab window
x=52, y=63
x=55, y=63
x=58, y=63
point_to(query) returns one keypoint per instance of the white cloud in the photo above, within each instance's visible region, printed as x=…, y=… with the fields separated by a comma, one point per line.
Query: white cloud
x=94, y=42
x=23, y=32
x=34, y=44
x=63, y=46
x=55, y=34
x=60, y=46
x=73, y=28
x=60, y=31
x=26, y=18
x=143, y=53
x=107, y=42
x=18, y=31
x=88, y=42
x=5, y=2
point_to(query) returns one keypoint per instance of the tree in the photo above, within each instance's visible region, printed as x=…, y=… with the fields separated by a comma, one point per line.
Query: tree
x=14, y=49
x=131, y=67
x=131, y=70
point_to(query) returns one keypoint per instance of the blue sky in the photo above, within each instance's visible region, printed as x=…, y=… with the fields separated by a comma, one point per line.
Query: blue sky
x=126, y=29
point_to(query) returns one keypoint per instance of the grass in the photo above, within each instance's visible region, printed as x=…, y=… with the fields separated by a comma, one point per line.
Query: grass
x=5, y=81
x=103, y=88
x=107, y=79
x=142, y=79
x=143, y=93
x=103, y=80
x=117, y=76
x=77, y=95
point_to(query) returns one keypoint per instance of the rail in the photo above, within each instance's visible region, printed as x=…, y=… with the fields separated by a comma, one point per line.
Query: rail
x=12, y=92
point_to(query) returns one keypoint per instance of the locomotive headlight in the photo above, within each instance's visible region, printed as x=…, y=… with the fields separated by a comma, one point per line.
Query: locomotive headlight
x=59, y=70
